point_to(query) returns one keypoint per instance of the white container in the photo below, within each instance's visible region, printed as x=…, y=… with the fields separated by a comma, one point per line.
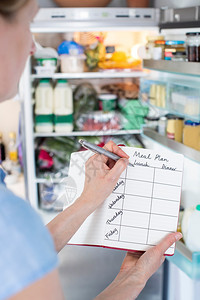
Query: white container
x=72, y=63
x=191, y=228
x=63, y=107
x=44, y=107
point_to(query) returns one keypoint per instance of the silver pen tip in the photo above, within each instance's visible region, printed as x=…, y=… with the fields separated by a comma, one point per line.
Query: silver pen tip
x=81, y=141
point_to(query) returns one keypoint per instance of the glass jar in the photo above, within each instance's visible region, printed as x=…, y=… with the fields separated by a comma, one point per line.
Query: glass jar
x=150, y=45
x=175, y=127
x=193, y=46
x=161, y=44
x=191, y=134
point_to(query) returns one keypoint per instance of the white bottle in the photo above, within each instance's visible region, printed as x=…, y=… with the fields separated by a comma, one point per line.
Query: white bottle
x=63, y=107
x=191, y=228
x=44, y=107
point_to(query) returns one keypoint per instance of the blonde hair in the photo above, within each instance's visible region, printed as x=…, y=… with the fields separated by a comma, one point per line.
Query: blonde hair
x=9, y=8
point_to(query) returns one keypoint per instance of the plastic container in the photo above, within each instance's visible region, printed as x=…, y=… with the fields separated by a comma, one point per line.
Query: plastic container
x=161, y=44
x=63, y=107
x=107, y=102
x=185, y=100
x=44, y=107
x=173, y=47
x=99, y=120
x=72, y=63
x=191, y=228
x=191, y=134
x=46, y=66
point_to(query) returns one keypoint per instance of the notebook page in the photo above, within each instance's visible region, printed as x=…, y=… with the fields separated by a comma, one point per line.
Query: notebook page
x=144, y=206
x=92, y=230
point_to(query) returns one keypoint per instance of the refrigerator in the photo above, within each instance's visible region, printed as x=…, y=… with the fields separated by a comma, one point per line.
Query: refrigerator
x=85, y=271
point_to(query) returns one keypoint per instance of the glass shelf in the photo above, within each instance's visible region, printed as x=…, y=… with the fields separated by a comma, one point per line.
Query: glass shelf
x=187, y=261
x=172, y=145
x=89, y=133
x=177, y=67
x=92, y=75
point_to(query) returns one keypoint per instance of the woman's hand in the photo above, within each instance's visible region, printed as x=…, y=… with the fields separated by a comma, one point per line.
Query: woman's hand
x=136, y=270
x=102, y=174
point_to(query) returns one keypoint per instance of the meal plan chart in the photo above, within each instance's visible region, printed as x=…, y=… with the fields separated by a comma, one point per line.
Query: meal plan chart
x=143, y=207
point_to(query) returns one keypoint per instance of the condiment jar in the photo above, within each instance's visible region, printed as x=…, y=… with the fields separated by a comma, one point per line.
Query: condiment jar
x=107, y=102
x=191, y=134
x=175, y=127
x=193, y=46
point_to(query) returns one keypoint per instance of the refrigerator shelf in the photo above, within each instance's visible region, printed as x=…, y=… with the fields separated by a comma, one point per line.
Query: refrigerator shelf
x=178, y=67
x=88, y=133
x=187, y=261
x=172, y=145
x=92, y=75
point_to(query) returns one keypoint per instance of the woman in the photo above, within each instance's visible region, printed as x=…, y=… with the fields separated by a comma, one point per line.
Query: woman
x=28, y=260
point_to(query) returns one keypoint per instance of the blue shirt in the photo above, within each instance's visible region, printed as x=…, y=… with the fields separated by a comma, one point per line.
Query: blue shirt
x=26, y=248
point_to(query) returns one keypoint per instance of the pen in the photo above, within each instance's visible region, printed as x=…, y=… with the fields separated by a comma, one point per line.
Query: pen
x=96, y=149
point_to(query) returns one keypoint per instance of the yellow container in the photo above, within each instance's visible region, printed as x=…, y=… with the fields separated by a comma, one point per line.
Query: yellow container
x=191, y=135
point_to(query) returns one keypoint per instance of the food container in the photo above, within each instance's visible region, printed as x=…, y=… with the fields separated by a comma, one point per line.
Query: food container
x=47, y=62
x=193, y=46
x=173, y=47
x=72, y=63
x=175, y=127
x=46, y=66
x=160, y=44
x=107, y=102
x=99, y=120
x=191, y=134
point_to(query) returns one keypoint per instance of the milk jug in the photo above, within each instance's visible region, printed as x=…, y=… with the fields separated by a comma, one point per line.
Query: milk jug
x=191, y=228
x=44, y=106
x=63, y=107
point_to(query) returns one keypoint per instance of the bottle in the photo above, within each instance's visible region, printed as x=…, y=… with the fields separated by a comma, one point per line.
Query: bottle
x=193, y=46
x=162, y=125
x=191, y=228
x=44, y=107
x=2, y=150
x=12, y=147
x=63, y=107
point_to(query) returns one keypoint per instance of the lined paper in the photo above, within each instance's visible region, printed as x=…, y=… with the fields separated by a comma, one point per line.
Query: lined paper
x=143, y=207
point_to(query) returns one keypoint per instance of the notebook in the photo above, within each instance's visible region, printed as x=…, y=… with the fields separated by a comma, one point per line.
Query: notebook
x=142, y=208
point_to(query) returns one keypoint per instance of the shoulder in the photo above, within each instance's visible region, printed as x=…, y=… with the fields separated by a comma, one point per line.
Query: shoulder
x=26, y=250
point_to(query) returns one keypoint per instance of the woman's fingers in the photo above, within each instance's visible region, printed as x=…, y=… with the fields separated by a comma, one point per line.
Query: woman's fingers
x=117, y=169
x=112, y=147
x=154, y=257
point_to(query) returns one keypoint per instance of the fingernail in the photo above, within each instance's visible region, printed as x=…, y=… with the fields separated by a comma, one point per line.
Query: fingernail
x=178, y=236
